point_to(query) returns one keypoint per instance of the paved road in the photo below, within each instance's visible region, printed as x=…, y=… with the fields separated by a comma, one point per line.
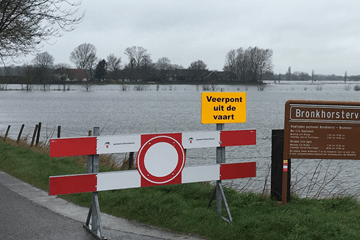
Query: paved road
x=27, y=213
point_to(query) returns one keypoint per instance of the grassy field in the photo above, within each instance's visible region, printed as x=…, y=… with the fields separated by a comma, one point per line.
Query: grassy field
x=183, y=208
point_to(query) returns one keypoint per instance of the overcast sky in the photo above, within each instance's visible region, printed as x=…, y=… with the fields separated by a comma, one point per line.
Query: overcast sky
x=319, y=35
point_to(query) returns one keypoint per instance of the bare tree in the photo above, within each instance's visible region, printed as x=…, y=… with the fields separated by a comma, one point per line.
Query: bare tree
x=44, y=60
x=43, y=63
x=163, y=64
x=24, y=24
x=28, y=77
x=177, y=66
x=138, y=56
x=84, y=57
x=249, y=65
x=63, y=71
x=139, y=62
x=230, y=62
x=198, y=65
x=113, y=63
x=114, y=66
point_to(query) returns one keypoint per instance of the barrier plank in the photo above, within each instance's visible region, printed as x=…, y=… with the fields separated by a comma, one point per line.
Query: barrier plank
x=237, y=138
x=72, y=184
x=131, y=179
x=61, y=147
x=237, y=170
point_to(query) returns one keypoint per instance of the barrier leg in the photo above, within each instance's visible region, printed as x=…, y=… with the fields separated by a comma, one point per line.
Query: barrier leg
x=95, y=228
x=219, y=191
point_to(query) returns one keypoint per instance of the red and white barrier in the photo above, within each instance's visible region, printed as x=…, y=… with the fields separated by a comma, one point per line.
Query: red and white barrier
x=160, y=160
x=132, y=178
x=131, y=143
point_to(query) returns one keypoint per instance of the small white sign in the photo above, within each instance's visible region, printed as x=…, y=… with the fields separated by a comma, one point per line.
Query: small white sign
x=118, y=144
x=201, y=139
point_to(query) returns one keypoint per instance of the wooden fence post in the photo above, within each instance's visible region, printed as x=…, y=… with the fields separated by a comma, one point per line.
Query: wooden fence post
x=59, y=132
x=7, y=132
x=38, y=134
x=34, y=135
x=19, y=136
x=277, y=166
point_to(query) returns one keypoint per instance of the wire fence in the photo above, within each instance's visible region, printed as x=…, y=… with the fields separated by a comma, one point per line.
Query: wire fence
x=309, y=178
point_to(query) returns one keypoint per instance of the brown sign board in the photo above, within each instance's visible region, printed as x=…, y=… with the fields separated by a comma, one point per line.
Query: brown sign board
x=322, y=130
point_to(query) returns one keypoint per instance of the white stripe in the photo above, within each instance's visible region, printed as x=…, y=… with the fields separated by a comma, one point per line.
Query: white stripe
x=118, y=180
x=201, y=173
x=131, y=143
x=201, y=139
x=131, y=178
x=118, y=144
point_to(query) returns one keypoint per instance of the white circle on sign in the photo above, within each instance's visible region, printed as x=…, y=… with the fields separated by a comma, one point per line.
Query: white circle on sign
x=161, y=159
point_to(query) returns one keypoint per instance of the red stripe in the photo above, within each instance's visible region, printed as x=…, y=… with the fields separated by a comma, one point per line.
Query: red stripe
x=72, y=184
x=73, y=146
x=237, y=170
x=237, y=138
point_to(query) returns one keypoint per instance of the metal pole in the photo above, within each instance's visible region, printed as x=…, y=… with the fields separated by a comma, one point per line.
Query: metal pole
x=96, y=228
x=219, y=192
x=95, y=169
x=220, y=158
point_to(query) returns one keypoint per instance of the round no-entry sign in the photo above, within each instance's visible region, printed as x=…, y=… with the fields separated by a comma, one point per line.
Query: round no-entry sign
x=160, y=159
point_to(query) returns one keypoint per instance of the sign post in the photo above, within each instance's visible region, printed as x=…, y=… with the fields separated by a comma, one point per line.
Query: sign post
x=220, y=108
x=320, y=130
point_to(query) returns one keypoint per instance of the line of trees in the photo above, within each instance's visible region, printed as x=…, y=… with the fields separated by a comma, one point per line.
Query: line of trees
x=249, y=65
x=304, y=76
x=140, y=66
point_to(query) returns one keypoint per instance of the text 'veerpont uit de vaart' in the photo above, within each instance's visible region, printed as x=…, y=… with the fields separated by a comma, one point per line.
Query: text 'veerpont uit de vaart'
x=220, y=107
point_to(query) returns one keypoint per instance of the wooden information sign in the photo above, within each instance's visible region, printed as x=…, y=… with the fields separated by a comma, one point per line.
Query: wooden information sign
x=322, y=130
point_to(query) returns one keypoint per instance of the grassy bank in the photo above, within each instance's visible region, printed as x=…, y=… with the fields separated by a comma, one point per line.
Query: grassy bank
x=183, y=207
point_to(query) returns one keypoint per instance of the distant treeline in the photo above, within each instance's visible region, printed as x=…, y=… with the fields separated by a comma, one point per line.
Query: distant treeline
x=29, y=75
x=303, y=76
x=251, y=65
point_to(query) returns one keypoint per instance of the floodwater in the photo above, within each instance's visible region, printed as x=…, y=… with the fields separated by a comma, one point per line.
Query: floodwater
x=177, y=108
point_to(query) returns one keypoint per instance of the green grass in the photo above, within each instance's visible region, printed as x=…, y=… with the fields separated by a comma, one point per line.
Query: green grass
x=183, y=208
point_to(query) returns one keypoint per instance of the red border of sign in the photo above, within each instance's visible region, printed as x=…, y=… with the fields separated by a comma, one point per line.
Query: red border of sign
x=141, y=160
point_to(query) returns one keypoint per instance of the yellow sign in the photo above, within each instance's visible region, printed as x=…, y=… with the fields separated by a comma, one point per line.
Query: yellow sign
x=223, y=107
